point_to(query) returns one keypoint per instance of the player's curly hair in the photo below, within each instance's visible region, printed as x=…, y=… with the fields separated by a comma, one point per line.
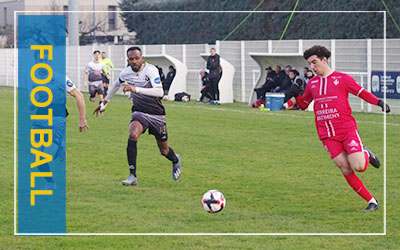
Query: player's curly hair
x=317, y=50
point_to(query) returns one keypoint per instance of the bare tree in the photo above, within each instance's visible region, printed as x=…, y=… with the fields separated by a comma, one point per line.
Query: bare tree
x=86, y=26
x=55, y=5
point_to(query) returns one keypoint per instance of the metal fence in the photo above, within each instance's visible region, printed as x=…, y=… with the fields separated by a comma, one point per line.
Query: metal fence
x=358, y=57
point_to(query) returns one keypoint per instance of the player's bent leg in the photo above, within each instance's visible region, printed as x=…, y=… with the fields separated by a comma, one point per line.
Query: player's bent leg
x=373, y=159
x=135, y=130
x=357, y=161
x=170, y=155
x=101, y=98
x=342, y=161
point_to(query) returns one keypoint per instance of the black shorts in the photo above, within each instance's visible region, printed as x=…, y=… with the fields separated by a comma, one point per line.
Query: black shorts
x=105, y=79
x=155, y=123
x=93, y=90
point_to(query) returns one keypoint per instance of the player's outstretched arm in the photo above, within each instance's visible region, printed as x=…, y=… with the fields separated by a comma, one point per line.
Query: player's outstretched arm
x=155, y=91
x=372, y=99
x=80, y=102
x=357, y=90
x=111, y=91
x=101, y=108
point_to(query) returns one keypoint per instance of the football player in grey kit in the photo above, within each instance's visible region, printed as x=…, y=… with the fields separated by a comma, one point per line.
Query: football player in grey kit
x=143, y=81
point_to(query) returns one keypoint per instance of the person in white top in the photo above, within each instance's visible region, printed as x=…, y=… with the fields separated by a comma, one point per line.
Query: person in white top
x=94, y=71
x=148, y=113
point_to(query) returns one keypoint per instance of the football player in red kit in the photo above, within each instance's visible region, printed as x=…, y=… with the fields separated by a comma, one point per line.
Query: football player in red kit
x=336, y=127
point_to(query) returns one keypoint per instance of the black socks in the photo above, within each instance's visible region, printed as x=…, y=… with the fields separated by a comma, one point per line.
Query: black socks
x=131, y=151
x=172, y=156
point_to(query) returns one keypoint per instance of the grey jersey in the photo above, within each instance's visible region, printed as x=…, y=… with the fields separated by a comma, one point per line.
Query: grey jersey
x=94, y=71
x=148, y=77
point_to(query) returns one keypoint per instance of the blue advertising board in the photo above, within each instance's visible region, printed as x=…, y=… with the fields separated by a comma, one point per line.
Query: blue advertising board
x=392, y=84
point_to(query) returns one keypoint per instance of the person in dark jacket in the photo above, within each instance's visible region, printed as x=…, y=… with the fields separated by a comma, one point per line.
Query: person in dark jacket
x=213, y=65
x=206, y=88
x=268, y=84
x=168, y=81
x=289, y=100
x=282, y=79
x=278, y=78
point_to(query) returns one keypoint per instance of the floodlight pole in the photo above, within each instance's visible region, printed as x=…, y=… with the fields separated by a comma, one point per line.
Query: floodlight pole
x=73, y=22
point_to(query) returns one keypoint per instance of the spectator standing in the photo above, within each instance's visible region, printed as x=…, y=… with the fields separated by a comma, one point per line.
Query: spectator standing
x=213, y=64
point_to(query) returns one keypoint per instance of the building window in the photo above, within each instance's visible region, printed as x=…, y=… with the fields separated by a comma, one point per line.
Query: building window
x=112, y=18
x=65, y=9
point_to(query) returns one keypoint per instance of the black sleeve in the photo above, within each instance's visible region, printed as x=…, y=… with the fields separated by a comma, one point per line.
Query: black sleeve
x=213, y=64
x=216, y=63
x=209, y=66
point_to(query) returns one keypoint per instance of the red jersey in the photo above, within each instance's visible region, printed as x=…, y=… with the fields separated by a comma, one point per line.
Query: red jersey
x=331, y=103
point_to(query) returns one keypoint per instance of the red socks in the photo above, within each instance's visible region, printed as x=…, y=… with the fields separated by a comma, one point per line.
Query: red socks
x=358, y=186
x=289, y=103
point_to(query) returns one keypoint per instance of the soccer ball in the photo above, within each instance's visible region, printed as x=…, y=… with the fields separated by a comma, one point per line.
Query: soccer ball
x=165, y=98
x=213, y=201
x=185, y=99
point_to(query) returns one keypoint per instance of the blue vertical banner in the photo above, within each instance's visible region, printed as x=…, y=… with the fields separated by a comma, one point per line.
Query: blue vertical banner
x=41, y=124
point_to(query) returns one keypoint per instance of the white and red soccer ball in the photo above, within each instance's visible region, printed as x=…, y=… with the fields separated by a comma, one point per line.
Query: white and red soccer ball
x=213, y=201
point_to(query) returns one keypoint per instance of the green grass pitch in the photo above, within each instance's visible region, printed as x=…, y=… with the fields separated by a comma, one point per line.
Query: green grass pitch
x=271, y=167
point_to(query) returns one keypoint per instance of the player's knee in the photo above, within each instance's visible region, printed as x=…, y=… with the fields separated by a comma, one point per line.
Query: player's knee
x=344, y=167
x=358, y=166
x=346, y=171
x=133, y=136
x=164, y=151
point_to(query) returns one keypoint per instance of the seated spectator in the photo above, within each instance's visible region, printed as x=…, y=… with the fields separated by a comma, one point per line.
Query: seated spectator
x=206, y=88
x=289, y=100
x=287, y=83
x=288, y=68
x=268, y=84
x=305, y=70
x=307, y=77
x=169, y=79
x=280, y=78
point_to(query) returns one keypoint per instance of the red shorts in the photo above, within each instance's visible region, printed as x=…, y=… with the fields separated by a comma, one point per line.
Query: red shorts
x=349, y=142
